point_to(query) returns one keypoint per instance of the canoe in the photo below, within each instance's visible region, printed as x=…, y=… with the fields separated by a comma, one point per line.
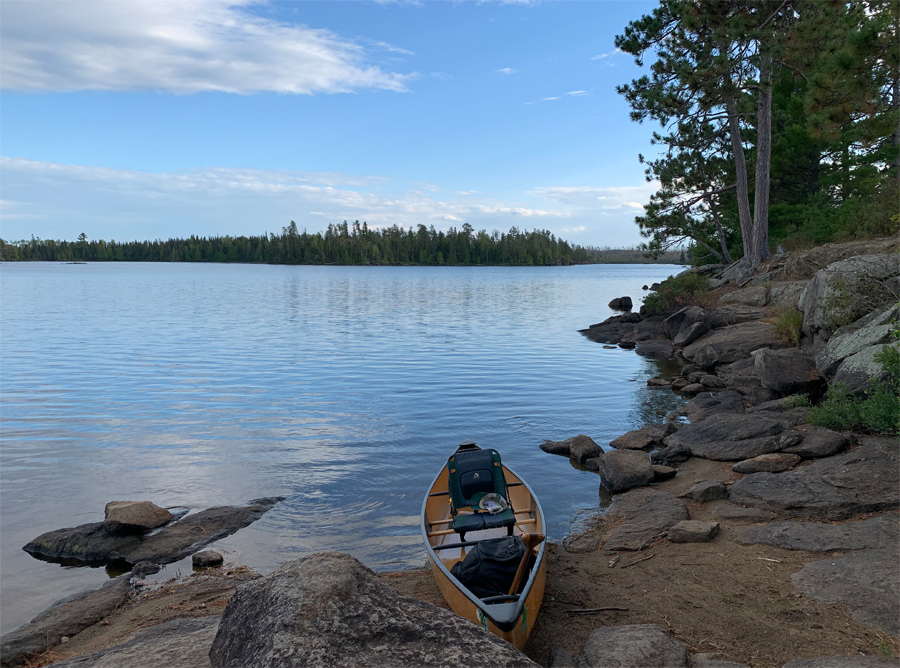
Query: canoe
x=510, y=616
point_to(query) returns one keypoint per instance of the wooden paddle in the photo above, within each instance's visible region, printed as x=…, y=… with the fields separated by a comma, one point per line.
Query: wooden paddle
x=531, y=540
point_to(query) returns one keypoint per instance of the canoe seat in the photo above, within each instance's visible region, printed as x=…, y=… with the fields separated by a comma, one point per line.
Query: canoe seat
x=473, y=474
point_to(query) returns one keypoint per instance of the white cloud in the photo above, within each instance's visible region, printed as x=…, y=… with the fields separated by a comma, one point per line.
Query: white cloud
x=598, y=199
x=506, y=70
x=576, y=93
x=180, y=46
x=571, y=93
x=574, y=230
x=62, y=200
x=601, y=56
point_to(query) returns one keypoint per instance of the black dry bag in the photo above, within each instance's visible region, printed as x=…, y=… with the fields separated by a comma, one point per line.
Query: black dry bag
x=490, y=568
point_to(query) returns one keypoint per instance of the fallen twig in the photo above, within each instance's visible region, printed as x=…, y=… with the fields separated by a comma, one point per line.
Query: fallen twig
x=591, y=611
x=777, y=561
x=649, y=556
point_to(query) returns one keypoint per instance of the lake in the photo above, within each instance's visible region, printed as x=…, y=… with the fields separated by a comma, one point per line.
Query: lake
x=342, y=388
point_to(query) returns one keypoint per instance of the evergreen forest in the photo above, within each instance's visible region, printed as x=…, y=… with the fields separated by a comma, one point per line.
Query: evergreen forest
x=342, y=244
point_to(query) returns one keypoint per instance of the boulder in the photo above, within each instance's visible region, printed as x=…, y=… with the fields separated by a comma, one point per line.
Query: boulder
x=134, y=516
x=658, y=382
x=692, y=389
x=729, y=511
x=789, y=371
x=772, y=406
x=863, y=480
x=818, y=442
x=207, y=559
x=632, y=646
x=177, y=643
x=656, y=349
x=711, y=382
x=144, y=568
x=327, y=609
x=861, y=370
x=881, y=531
x=627, y=345
x=707, y=404
x=708, y=490
x=786, y=294
x=773, y=462
x=64, y=618
x=737, y=272
x=646, y=513
x=644, y=438
x=734, y=314
x=680, y=383
x=621, y=304
x=693, y=531
x=817, y=302
x=623, y=469
x=654, y=286
x=94, y=543
x=732, y=437
x=580, y=448
x=866, y=582
x=691, y=333
x=662, y=473
x=854, y=338
x=729, y=344
x=756, y=296
x=679, y=320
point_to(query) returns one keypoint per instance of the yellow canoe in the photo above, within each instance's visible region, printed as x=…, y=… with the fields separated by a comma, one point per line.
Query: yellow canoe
x=510, y=617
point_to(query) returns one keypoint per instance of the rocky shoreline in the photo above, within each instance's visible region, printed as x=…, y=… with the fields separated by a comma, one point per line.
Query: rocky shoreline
x=738, y=534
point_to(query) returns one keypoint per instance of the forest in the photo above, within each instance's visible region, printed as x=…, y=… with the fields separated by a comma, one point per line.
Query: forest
x=779, y=123
x=343, y=244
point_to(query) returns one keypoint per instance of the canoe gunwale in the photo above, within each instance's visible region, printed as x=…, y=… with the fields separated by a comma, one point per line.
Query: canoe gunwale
x=510, y=622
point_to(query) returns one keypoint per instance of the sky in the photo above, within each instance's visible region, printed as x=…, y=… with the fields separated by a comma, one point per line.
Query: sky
x=155, y=119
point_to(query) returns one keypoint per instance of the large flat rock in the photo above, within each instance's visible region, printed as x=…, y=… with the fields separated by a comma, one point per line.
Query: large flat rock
x=64, y=618
x=866, y=582
x=864, y=480
x=632, y=646
x=645, y=514
x=730, y=437
x=729, y=344
x=95, y=544
x=875, y=532
x=327, y=609
x=177, y=643
x=708, y=404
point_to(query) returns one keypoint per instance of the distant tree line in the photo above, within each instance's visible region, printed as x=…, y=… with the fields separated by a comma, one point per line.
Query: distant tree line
x=343, y=243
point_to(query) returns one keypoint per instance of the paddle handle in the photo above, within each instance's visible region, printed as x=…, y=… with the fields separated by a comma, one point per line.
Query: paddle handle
x=531, y=540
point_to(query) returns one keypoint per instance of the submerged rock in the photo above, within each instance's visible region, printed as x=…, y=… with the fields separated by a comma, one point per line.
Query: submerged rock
x=327, y=609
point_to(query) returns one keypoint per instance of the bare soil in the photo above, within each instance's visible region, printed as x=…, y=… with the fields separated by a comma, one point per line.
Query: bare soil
x=719, y=597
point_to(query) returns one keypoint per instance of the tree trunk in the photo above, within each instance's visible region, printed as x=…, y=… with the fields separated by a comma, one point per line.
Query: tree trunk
x=740, y=173
x=720, y=232
x=760, y=242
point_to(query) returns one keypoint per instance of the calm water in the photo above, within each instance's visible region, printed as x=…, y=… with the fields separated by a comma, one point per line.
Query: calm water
x=342, y=388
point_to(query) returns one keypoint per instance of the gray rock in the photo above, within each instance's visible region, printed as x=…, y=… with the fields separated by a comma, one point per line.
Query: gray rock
x=842, y=346
x=732, y=437
x=646, y=514
x=143, y=569
x=864, y=480
x=708, y=404
x=580, y=448
x=656, y=349
x=632, y=646
x=814, y=301
x=728, y=511
x=65, y=618
x=682, y=319
x=134, y=516
x=773, y=406
x=627, y=345
x=662, y=473
x=692, y=389
x=207, y=559
x=881, y=531
x=855, y=661
x=623, y=469
x=708, y=490
x=756, y=296
x=734, y=314
x=866, y=582
x=680, y=383
x=729, y=344
x=177, y=643
x=633, y=440
x=786, y=294
x=737, y=272
x=693, y=531
x=818, y=442
x=621, y=304
x=788, y=371
x=861, y=370
x=691, y=333
x=93, y=543
x=583, y=536
x=658, y=382
x=327, y=609
x=773, y=462
x=711, y=382
x=559, y=447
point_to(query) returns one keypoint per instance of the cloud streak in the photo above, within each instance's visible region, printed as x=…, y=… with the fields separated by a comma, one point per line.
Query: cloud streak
x=178, y=46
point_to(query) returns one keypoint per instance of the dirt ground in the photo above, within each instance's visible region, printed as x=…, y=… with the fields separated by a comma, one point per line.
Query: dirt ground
x=718, y=597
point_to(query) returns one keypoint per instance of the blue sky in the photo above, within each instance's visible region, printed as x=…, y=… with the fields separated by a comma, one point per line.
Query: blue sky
x=155, y=119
